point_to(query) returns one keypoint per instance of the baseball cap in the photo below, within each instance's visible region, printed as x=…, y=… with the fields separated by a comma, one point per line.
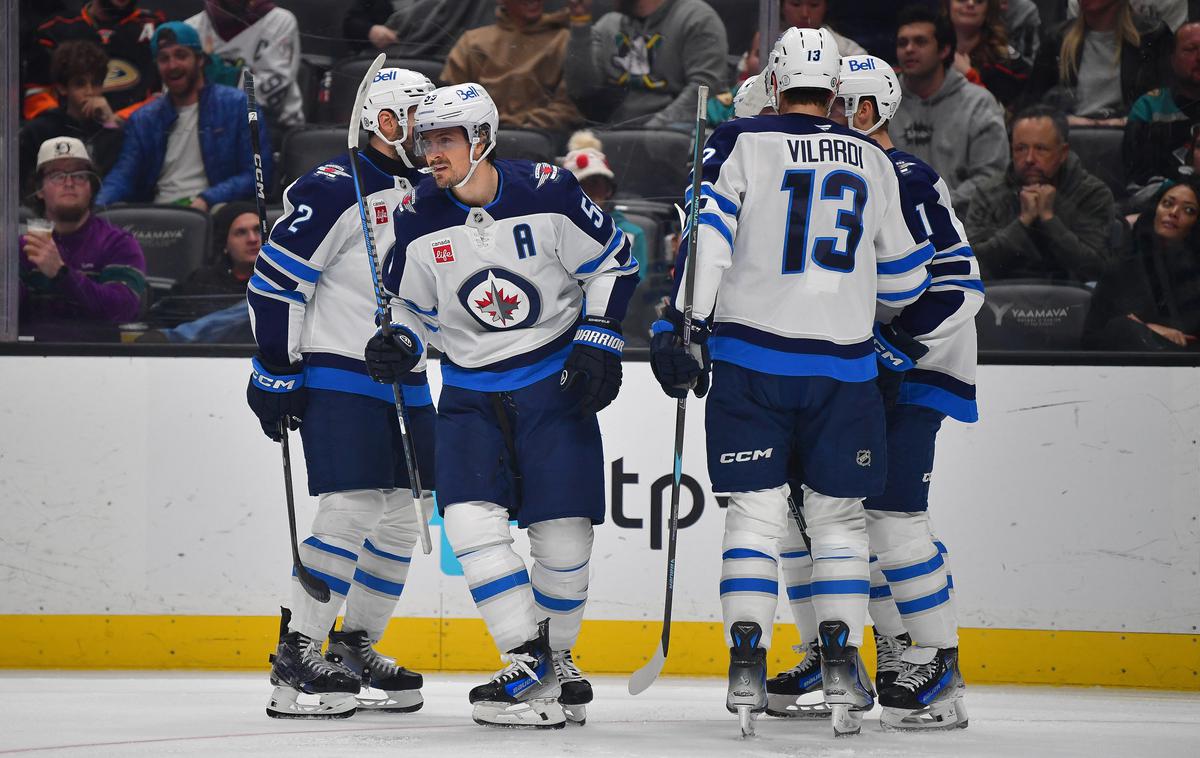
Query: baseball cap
x=180, y=34
x=57, y=148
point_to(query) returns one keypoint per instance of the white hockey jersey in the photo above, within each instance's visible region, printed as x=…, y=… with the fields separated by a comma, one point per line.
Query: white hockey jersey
x=311, y=296
x=500, y=289
x=943, y=318
x=271, y=49
x=801, y=233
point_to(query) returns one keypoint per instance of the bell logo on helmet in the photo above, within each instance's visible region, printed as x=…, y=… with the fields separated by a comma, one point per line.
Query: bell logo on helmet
x=387, y=75
x=469, y=93
x=865, y=65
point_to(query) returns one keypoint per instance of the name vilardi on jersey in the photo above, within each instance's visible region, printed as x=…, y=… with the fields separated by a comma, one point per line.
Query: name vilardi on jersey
x=826, y=150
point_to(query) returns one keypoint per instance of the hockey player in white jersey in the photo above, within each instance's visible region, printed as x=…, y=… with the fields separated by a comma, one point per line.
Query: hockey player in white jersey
x=313, y=307
x=801, y=234
x=521, y=281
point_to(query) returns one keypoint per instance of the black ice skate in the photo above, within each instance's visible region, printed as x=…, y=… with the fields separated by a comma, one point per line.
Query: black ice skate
x=887, y=658
x=747, y=696
x=401, y=687
x=298, y=668
x=525, y=692
x=848, y=689
x=799, y=692
x=928, y=694
x=576, y=691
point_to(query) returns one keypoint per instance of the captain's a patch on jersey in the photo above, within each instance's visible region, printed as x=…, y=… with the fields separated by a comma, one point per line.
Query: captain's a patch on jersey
x=381, y=212
x=443, y=251
x=331, y=171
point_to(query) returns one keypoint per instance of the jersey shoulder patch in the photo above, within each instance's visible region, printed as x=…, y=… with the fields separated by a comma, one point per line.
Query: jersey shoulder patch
x=546, y=173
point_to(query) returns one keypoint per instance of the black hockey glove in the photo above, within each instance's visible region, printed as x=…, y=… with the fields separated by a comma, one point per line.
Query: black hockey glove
x=897, y=352
x=676, y=369
x=275, y=393
x=390, y=358
x=594, y=363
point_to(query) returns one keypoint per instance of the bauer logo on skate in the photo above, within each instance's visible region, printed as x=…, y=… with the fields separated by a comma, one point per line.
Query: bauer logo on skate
x=500, y=300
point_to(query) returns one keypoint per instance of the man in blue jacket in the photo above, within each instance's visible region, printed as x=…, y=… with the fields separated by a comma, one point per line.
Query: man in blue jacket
x=191, y=147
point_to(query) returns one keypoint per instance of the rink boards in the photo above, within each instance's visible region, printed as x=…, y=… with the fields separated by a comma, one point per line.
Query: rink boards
x=145, y=528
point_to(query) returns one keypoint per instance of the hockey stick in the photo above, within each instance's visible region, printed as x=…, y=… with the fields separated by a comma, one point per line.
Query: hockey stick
x=645, y=676
x=798, y=516
x=381, y=305
x=316, y=588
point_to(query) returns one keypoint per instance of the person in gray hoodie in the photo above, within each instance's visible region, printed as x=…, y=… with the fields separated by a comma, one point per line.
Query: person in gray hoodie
x=1024, y=24
x=639, y=65
x=953, y=125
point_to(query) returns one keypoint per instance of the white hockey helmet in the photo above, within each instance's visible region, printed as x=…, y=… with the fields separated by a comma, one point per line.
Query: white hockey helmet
x=806, y=58
x=465, y=105
x=395, y=90
x=868, y=76
x=752, y=97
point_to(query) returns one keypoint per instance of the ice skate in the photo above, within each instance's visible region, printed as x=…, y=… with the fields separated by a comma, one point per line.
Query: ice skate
x=747, y=696
x=798, y=692
x=300, y=669
x=928, y=694
x=525, y=692
x=848, y=690
x=576, y=691
x=401, y=688
x=887, y=658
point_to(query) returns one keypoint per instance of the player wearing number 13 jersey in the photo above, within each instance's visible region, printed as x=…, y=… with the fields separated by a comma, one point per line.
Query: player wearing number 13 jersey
x=801, y=233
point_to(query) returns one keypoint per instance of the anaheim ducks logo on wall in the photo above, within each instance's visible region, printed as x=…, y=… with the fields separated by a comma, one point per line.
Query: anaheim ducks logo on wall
x=500, y=300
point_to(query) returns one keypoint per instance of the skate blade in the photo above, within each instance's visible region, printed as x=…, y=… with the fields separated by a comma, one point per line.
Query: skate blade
x=846, y=721
x=541, y=713
x=746, y=720
x=939, y=717
x=394, y=701
x=576, y=714
x=802, y=707
x=286, y=704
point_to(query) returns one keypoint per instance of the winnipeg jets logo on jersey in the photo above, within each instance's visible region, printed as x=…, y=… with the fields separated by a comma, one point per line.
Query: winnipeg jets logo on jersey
x=331, y=171
x=499, y=299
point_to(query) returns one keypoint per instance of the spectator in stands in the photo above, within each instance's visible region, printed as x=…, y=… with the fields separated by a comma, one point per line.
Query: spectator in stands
x=1023, y=23
x=640, y=65
x=263, y=37
x=78, y=69
x=982, y=53
x=237, y=239
x=1150, y=298
x=191, y=147
x=86, y=270
x=872, y=23
x=1095, y=66
x=123, y=30
x=943, y=119
x=585, y=160
x=1173, y=13
x=365, y=25
x=802, y=14
x=519, y=60
x=420, y=28
x=1047, y=218
x=1159, y=128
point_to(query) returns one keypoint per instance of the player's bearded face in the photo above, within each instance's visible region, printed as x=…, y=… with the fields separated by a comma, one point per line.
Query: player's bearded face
x=447, y=153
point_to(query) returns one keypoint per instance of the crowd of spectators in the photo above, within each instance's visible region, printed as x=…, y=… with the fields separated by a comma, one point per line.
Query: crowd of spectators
x=1066, y=130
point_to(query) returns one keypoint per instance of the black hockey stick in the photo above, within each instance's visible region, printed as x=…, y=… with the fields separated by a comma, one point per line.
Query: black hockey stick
x=381, y=303
x=645, y=676
x=798, y=516
x=315, y=587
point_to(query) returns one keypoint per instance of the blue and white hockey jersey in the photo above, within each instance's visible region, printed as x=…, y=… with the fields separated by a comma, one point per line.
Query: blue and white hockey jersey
x=311, y=296
x=943, y=318
x=499, y=289
x=801, y=233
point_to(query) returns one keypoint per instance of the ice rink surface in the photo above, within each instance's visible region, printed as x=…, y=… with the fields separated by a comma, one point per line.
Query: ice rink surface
x=171, y=714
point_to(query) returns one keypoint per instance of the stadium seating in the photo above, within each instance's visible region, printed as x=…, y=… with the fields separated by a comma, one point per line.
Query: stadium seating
x=654, y=237
x=1099, y=149
x=341, y=85
x=741, y=22
x=305, y=148
x=648, y=163
x=526, y=144
x=1033, y=315
x=175, y=240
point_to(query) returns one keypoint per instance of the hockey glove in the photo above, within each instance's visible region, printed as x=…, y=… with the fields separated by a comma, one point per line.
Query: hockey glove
x=594, y=363
x=676, y=369
x=897, y=352
x=390, y=358
x=275, y=393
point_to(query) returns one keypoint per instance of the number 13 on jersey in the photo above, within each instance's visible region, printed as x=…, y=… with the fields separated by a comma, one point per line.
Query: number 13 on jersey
x=803, y=203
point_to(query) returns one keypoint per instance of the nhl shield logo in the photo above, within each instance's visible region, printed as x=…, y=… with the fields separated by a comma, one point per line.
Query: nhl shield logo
x=499, y=300
x=863, y=458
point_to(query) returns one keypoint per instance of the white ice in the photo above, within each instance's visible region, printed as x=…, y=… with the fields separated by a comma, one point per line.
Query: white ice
x=213, y=714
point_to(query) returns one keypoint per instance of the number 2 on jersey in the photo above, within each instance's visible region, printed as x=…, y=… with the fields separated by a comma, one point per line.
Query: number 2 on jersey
x=801, y=204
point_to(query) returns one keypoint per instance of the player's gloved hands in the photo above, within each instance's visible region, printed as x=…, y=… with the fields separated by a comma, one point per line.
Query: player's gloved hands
x=676, y=369
x=391, y=357
x=275, y=393
x=594, y=363
x=897, y=352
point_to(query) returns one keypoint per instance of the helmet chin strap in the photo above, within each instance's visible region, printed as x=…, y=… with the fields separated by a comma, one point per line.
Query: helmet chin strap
x=852, y=110
x=475, y=162
x=398, y=144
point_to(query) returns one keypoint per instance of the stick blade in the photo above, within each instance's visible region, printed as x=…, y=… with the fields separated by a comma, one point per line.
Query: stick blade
x=317, y=589
x=641, y=679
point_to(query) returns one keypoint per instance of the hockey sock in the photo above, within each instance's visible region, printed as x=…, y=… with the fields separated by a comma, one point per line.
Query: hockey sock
x=382, y=569
x=343, y=520
x=496, y=575
x=884, y=615
x=749, y=559
x=916, y=574
x=840, y=574
x=561, y=550
x=797, y=578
